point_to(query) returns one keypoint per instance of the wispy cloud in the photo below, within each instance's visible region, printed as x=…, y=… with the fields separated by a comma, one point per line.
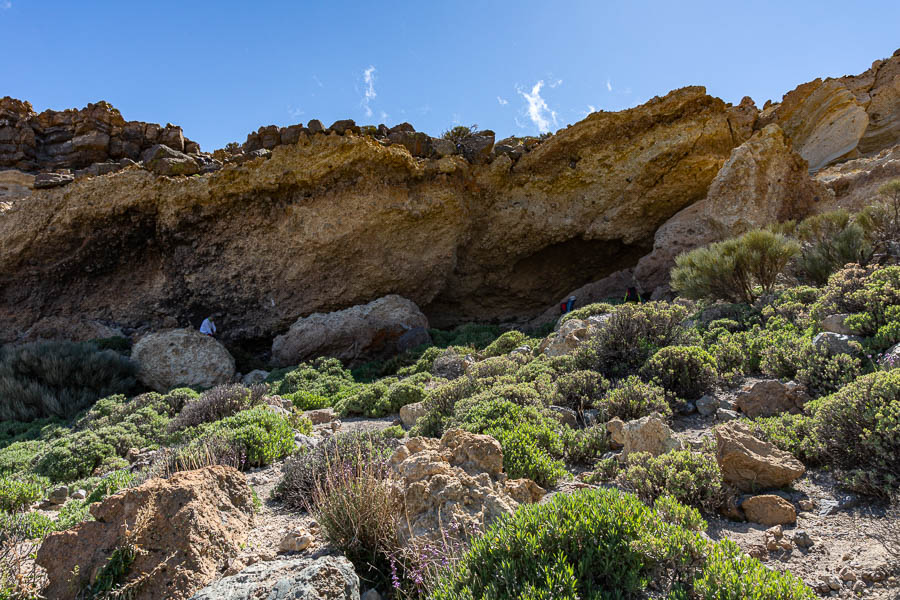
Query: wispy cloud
x=318, y=81
x=591, y=108
x=369, y=79
x=554, y=84
x=608, y=85
x=536, y=107
x=294, y=112
x=502, y=101
x=384, y=116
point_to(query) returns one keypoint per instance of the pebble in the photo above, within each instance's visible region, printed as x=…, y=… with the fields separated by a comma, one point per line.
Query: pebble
x=79, y=494
x=802, y=539
x=831, y=581
x=295, y=541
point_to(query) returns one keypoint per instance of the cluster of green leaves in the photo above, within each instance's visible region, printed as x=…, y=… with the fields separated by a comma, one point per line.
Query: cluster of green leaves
x=261, y=436
x=686, y=371
x=606, y=544
x=217, y=403
x=383, y=397
x=19, y=491
x=59, y=379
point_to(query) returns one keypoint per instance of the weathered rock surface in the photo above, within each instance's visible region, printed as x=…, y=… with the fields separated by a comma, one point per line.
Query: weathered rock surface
x=764, y=181
x=570, y=336
x=752, y=464
x=324, y=578
x=74, y=139
x=15, y=184
x=855, y=183
x=383, y=327
x=649, y=434
x=837, y=343
x=335, y=221
x=878, y=90
x=185, y=528
x=771, y=397
x=74, y=329
x=769, y=510
x=163, y=160
x=455, y=486
x=181, y=357
x=410, y=413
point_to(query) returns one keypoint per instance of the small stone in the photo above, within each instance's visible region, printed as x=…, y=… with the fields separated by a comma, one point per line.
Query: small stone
x=802, y=539
x=831, y=581
x=320, y=415
x=859, y=587
x=79, y=494
x=707, y=405
x=59, y=495
x=295, y=541
x=769, y=509
x=335, y=425
x=806, y=505
x=723, y=415
x=614, y=426
x=847, y=574
x=410, y=413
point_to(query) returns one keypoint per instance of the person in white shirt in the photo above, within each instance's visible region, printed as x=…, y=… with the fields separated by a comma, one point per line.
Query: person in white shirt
x=208, y=327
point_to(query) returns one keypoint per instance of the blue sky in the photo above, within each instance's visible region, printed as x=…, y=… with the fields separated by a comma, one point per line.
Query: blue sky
x=222, y=69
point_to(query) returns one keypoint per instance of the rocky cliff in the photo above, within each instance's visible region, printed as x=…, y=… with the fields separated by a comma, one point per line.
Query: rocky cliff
x=309, y=219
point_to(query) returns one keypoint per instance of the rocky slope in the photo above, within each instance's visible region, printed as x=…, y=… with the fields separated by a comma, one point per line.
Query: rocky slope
x=308, y=219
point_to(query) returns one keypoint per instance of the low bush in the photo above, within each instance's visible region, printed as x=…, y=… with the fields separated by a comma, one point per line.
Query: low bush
x=381, y=398
x=307, y=466
x=580, y=390
x=24, y=525
x=791, y=433
x=686, y=371
x=324, y=377
x=604, y=544
x=59, y=379
x=215, y=404
x=633, y=333
x=585, y=446
x=823, y=373
x=469, y=334
x=263, y=435
x=691, y=478
x=737, y=269
x=504, y=344
x=110, y=484
x=599, y=308
x=830, y=241
x=20, y=491
x=631, y=399
x=74, y=456
x=308, y=401
x=859, y=429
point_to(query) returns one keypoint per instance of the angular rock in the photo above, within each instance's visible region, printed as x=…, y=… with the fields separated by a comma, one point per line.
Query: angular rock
x=442, y=147
x=381, y=328
x=649, y=434
x=15, y=184
x=891, y=358
x=570, y=336
x=320, y=415
x=458, y=480
x=43, y=181
x=410, y=413
x=476, y=148
x=315, y=126
x=751, y=464
x=707, y=405
x=764, y=181
x=836, y=343
x=295, y=541
x=163, y=160
x=770, y=397
x=323, y=578
x=255, y=376
x=344, y=126
x=181, y=358
x=769, y=509
x=616, y=427
x=59, y=495
x=835, y=324
x=418, y=143
x=186, y=528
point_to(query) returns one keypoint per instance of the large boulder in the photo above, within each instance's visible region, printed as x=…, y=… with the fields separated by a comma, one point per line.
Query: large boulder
x=750, y=463
x=184, y=530
x=764, y=181
x=323, y=578
x=181, y=357
x=771, y=397
x=163, y=160
x=456, y=481
x=571, y=334
x=837, y=343
x=649, y=434
x=381, y=328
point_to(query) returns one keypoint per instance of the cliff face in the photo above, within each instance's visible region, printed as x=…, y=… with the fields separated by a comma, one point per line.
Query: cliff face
x=333, y=221
x=309, y=219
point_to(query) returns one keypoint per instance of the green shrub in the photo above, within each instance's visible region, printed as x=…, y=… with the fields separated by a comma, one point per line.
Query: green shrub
x=729, y=574
x=585, y=446
x=44, y=379
x=633, y=333
x=215, y=404
x=830, y=241
x=580, y=390
x=823, y=373
x=27, y=525
x=607, y=544
x=381, y=398
x=504, y=344
x=600, y=308
x=307, y=466
x=324, y=377
x=631, y=399
x=469, y=334
x=686, y=371
x=692, y=478
x=308, y=400
x=74, y=456
x=859, y=429
x=110, y=484
x=20, y=456
x=733, y=269
x=791, y=433
x=19, y=491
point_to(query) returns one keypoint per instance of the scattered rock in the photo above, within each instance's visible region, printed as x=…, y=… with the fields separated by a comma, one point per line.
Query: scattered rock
x=442, y=147
x=321, y=415
x=182, y=357
x=185, y=528
x=836, y=343
x=806, y=505
x=724, y=414
x=295, y=541
x=15, y=184
x=770, y=397
x=570, y=336
x=769, y=509
x=615, y=427
x=476, y=148
x=255, y=376
x=707, y=405
x=566, y=416
x=454, y=485
x=649, y=434
x=323, y=578
x=59, y=495
x=449, y=365
x=750, y=463
x=383, y=327
x=831, y=581
x=79, y=494
x=891, y=358
x=344, y=126
x=163, y=160
x=801, y=538
x=836, y=324
x=410, y=413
